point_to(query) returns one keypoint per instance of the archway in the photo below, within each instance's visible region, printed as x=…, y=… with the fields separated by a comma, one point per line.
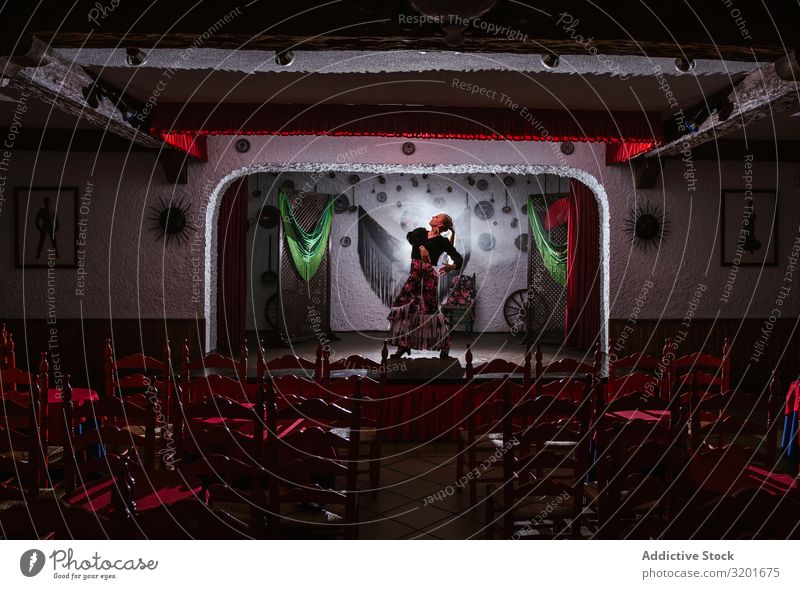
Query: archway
x=212, y=212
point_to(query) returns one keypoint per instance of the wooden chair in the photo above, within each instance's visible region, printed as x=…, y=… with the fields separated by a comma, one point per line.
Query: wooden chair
x=137, y=365
x=22, y=387
x=305, y=367
x=104, y=426
x=498, y=368
x=712, y=373
x=482, y=434
x=235, y=488
x=8, y=357
x=545, y=463
x=20, y=441
x=313, y=493
x=344, y=392
x=639, y=489
x=215, y=362
x=635, y=373
x=566, y=367
x=219, y=425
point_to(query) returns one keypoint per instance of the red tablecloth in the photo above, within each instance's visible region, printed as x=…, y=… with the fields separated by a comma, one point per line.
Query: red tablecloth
x=650, y=415
x=151, y=490
x=721, y=474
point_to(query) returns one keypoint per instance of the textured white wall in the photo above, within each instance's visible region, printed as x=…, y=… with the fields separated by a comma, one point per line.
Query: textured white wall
x=130, y=274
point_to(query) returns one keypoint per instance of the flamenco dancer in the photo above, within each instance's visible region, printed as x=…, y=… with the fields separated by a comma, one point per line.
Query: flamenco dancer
x=416, y=322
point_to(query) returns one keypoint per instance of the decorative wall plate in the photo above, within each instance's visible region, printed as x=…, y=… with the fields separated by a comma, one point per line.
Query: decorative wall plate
x=242, y=145
x=521, y=242
x=567, y=147
x=409, y=148
x=399, y=188
x=168, y=220
x=269, y=217
x=341, y=203
x=381, y=179
x=647, y=225
x=381, y=197
x=486, y=241
x=354, y=179
x=508, y=180
x=482, y=184
x=345, y=241
x=449, y=189
x=484, y=210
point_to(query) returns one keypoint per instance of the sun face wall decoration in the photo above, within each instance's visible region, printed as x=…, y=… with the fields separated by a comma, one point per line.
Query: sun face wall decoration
x=169, y=221
x=647, y=224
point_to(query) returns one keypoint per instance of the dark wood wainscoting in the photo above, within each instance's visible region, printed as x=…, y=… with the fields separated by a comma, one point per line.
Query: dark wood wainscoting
x=781, y=348
x=79, y=344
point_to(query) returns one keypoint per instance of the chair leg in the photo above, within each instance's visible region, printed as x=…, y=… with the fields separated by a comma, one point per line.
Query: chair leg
x=459, y=463
x=488, y=532
x=375, y=465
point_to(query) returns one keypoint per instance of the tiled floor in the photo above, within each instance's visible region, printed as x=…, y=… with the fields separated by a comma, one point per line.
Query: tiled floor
x=412, y=473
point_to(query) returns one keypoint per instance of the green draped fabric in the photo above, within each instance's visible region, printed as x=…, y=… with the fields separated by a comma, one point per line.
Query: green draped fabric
x=554, y=256
x=307, y=249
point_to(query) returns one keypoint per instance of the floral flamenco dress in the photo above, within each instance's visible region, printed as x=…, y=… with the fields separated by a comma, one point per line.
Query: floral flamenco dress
x=415, y=319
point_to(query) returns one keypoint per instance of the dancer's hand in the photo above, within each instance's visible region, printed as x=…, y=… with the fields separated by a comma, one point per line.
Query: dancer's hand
x=447, y=268
x=423, y=253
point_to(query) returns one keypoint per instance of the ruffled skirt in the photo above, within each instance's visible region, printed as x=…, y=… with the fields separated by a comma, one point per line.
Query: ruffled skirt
x=415, y=319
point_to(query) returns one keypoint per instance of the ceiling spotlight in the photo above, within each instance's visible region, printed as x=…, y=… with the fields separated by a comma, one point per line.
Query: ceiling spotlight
x=284, y=58
x=684, y=65
x=135, y=57
x=550, y=60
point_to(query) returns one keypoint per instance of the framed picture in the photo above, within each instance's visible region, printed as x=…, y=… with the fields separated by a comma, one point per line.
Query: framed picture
x=46, y=227
x=749, y=227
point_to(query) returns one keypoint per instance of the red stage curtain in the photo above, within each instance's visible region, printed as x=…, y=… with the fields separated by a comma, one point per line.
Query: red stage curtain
x=193, y=144
x=582, y=322
x=450, y=123
x=617, y=153
x=232, y=267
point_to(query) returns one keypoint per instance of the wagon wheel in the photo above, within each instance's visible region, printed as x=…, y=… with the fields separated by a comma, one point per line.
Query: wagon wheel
x=514, y=309
x=519, y=306
x=271, y=311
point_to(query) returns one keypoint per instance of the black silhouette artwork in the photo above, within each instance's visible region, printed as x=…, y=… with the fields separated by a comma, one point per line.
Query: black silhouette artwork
x=47, y=226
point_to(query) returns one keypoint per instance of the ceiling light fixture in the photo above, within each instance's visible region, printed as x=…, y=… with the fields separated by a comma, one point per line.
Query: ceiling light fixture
x=684, y=64
x=550, y=60
x=284, y=58
x=135, y=57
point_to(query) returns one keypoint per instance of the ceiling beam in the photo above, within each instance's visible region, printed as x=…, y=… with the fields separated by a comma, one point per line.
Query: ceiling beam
x=736, y=149
x=73, y=140
x=770, y=89
x=747, y=30
x=43, y=73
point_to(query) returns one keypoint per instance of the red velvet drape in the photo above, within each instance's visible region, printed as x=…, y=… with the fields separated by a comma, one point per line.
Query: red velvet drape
x=232, y=267
x=582, y=322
